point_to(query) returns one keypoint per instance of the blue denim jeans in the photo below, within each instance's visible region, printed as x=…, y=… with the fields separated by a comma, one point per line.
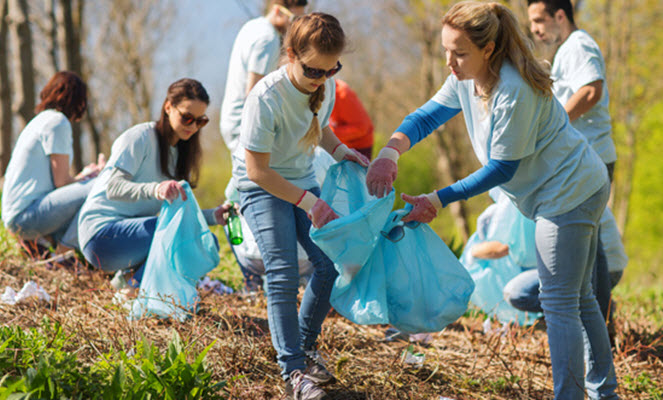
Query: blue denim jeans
x=566, y=250
x=277, y=227
x=122, y=244
x=54, y=214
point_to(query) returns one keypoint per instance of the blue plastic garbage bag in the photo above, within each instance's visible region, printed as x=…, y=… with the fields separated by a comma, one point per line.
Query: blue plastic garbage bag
x=504, y=223
x=413, y=282
x=183, y=250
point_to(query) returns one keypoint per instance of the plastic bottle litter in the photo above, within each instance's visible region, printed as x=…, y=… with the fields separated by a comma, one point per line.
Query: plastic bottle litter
x=30, y=290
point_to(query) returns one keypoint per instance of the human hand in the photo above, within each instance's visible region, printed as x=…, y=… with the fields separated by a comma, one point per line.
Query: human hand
x=343, y=152
x=382, y=172
x=423, y=208
x=321, y=214
x=222, y=212
x=169, y=191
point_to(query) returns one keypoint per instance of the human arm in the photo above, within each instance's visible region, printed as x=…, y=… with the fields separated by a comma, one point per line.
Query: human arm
x=259, y=171
x=121, y=187
x=494, y=173
x=251, y=80
x=416, y=126
x=340, y=151
x=490, y=250
x=584, y=99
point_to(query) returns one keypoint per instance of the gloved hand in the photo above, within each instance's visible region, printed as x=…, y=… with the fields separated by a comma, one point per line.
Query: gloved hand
x=382, y=172
x=169, y=190
x=343, y=152
x=321, y=214
x=425, y=207
x=317, y=210
x=222, y=212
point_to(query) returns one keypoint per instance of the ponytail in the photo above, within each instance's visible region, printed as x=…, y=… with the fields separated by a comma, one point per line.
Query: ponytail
x=486, y=22
x=314, y=133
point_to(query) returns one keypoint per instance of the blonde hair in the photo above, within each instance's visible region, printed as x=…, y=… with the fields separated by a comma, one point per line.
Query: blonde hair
x=486, y=22
x=323, y=34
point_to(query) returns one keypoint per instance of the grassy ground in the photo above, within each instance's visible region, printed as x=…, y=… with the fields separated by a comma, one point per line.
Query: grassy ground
x=81, y=345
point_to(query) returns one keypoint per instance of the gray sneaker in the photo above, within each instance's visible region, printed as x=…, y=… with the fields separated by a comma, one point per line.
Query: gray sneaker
x=300, y=387
x=316, y=369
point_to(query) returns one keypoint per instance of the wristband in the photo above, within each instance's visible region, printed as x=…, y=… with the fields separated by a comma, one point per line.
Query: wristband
x=340, y=151
x=307, y=201
x=435, y=200
x=389, y=153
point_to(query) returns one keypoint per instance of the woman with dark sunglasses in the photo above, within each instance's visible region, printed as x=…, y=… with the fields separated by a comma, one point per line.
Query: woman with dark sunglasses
x=146, y=165
x=285, y=117
x=40, y=197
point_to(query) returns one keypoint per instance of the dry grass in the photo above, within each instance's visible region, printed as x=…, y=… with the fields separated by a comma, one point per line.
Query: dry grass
x=461, y=363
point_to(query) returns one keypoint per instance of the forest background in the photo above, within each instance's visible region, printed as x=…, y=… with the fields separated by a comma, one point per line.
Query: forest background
x=128, y=52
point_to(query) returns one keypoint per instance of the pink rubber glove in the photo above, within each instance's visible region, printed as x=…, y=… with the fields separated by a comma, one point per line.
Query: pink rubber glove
x=424, y=208
x=169, y=190
x=343, y=152
x=382, y=172
x=321, y=214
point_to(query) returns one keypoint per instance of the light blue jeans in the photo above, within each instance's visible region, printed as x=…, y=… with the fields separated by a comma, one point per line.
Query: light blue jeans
x=277, y=227
x=122, y=244
x=54, y=214
x=566, y=249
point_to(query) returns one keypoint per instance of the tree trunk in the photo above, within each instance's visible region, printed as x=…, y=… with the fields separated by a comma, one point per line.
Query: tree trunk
x=71, y=20
x=18, y=15
x=5, y=91
x=51, y=32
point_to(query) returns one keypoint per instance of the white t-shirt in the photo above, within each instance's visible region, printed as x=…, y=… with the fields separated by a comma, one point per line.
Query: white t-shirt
x=579, y=62
x=136, y=151
x=256, y=49
x=29, y=176
x=276, y=115
x=558, y=169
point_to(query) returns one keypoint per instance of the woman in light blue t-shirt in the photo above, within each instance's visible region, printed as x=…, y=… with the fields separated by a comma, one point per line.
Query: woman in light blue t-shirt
x=118, y=220
x=523, y=137
x=285, y=116
x=40, y=198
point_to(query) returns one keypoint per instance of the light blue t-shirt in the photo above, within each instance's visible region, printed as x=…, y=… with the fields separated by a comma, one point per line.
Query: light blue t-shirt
x=579, y=62
x=276, y=115
x=29, y=176
x=558, y=169
x=256, y=49
x=136, y=151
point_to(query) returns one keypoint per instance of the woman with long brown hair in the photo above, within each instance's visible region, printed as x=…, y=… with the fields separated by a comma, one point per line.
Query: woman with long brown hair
x=285, y=117
x=146, y=165
x=522, y=136
x=40, y=197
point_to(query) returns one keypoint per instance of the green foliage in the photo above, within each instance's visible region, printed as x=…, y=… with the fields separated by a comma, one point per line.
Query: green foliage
x=642, y=383
x=35, y=363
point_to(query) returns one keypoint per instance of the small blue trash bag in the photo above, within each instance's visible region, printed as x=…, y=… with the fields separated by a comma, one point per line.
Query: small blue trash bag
x=183, y=250
x=410, y=280
x=501, y=222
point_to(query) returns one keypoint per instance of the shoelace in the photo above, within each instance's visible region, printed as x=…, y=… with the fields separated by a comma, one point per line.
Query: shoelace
x=301, y=384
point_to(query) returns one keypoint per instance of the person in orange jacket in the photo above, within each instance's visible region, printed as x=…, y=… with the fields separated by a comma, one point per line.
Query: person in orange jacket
x=350, y=121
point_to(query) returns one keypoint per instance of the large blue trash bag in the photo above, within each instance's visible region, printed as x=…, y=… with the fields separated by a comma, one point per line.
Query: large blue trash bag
x=183, y=250
x=504, y=223
x=414, y=282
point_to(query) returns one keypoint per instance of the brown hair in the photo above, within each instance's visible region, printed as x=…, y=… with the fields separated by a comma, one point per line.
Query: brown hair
x=288, y=3
x=65, y=92
x=486, y=22
x=189, y=152
x=323, y=34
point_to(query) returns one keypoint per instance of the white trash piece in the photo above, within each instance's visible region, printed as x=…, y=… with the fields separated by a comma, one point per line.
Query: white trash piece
x=30, y=290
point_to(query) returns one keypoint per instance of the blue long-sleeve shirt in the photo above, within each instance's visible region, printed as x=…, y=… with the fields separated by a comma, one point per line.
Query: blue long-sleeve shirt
x=425, y=120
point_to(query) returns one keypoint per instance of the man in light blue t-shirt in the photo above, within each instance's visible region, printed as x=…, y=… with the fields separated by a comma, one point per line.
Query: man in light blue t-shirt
x=578, y=71
x=255, y=53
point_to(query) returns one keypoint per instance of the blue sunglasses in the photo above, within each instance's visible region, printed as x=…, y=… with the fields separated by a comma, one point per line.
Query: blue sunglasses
x=394, y=229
